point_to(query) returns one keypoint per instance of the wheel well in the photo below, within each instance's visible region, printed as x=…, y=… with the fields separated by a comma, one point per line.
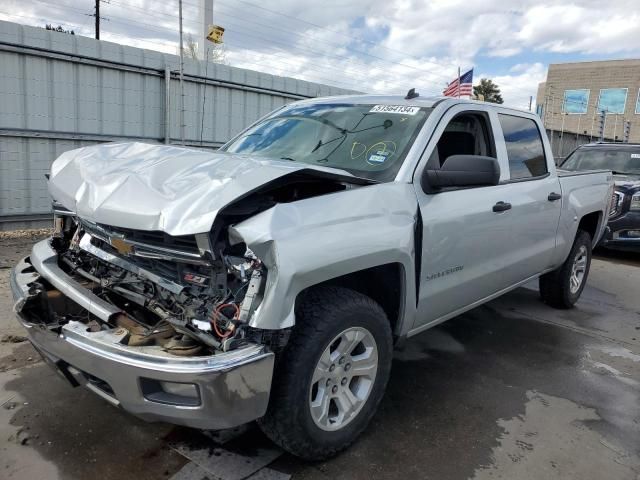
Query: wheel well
x=589, y=223
x=385, y=284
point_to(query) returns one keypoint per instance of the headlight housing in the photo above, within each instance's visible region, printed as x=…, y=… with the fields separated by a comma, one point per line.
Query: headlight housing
x=61, y=214
x=60, y=210
x=635, y=202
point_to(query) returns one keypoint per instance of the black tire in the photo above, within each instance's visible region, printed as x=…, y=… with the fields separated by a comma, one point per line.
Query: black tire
x=323, y=314
x=555, y=286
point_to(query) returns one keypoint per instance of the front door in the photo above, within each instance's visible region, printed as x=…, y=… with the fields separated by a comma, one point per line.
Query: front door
x=465, y=242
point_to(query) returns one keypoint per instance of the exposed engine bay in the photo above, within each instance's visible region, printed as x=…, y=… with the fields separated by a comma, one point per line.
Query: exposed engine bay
x=185, y=294
x=182, y=294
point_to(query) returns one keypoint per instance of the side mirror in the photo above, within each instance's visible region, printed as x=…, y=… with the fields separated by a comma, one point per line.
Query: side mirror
x=463, y=171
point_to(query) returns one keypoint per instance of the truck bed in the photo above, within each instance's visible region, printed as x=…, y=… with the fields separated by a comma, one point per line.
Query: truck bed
x=574, y=173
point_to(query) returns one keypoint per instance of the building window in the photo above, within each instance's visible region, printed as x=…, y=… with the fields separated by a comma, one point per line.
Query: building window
x=612, y=100
x=638, y=103
x=540, y=110
x=575, y=101
x=524, y=147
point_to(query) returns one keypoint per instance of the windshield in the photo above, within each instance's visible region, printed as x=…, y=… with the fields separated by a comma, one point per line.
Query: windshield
x=368, y=141
x=617, y=159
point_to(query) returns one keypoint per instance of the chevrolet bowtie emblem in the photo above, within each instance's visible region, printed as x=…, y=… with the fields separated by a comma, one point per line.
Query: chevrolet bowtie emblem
x=122, y=246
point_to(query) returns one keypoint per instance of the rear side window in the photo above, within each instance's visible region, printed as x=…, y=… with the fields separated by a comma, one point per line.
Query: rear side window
x=524, y=147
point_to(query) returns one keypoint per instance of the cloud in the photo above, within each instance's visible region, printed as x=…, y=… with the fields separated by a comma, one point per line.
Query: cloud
x=521, y=83
x=369, y=45
x=582, y=29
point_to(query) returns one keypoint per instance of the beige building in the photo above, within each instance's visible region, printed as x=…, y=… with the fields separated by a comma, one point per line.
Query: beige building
x=570, y=102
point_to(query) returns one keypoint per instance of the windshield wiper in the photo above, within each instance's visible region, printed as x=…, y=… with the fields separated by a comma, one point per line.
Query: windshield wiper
x=385, y=125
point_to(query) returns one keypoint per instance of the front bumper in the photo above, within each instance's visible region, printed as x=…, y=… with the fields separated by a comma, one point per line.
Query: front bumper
x=619, y=232
x=209, y=392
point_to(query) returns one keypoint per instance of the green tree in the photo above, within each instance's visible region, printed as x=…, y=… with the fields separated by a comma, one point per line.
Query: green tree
x=489, y=90
x=215, y=51
x=59, y=28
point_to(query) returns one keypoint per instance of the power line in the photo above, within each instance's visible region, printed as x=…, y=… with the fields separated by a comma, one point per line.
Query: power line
x=251, y=61
x=268, y=40
x=367, y=54
x=377, y=45
x=240, y=28
x=283, y=58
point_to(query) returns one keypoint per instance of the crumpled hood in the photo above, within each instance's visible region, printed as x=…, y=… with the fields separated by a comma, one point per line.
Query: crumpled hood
x=174, y=189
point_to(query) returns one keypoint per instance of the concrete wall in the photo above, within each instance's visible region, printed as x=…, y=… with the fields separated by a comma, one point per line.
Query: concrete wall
x=59, y=92
x=563, y=143
x=592, y=76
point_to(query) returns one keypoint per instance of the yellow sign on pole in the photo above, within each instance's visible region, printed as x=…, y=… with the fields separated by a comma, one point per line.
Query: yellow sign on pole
x=215, y=33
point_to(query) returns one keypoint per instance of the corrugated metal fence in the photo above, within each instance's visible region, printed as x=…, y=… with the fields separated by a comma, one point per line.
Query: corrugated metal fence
x=60, y=91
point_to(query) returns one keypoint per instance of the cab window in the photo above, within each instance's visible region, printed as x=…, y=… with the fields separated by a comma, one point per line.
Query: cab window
x=525, y=150
x=467, y=133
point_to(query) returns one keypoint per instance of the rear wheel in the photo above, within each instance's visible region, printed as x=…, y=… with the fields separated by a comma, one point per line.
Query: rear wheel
x=332, y=375
x=562, y=287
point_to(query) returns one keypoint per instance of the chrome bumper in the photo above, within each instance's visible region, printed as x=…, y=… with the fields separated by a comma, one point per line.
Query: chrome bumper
x=213, y=392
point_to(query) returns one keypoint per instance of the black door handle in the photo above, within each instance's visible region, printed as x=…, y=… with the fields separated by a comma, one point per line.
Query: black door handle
x=501, y=207
x=553, y=196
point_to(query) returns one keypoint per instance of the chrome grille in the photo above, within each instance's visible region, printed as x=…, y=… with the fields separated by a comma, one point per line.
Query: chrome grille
x=151, y=245
x=616, y=203
x=186, y=243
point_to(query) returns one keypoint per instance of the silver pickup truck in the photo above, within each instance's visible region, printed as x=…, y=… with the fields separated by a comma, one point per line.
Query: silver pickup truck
x=271, y=280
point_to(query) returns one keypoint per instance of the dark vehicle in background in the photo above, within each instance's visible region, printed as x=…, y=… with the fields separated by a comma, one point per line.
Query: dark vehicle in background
x=623, y=159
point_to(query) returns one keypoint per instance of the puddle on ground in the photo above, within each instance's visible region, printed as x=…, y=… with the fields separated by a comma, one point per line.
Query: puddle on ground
x=553, y=439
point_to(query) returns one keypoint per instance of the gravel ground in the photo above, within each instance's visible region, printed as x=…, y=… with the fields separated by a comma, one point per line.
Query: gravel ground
x=511, y=390
x=14, y=245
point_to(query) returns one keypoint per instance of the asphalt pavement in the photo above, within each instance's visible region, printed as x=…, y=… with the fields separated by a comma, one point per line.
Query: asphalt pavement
x=511, y=390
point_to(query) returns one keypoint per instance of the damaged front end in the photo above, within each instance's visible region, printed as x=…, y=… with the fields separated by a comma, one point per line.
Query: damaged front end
x=188, y=295
x=153, y=323
x=169, y=323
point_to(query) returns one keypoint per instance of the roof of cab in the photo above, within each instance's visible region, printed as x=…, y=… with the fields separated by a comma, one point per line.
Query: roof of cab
x=428, y=102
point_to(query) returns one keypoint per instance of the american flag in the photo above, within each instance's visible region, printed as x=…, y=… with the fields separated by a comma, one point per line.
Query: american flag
x=460, y=86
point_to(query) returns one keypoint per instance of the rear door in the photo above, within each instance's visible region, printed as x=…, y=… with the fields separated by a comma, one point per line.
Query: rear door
x=533, y=190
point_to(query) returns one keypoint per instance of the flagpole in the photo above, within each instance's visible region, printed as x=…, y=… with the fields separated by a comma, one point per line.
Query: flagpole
x=458, y=82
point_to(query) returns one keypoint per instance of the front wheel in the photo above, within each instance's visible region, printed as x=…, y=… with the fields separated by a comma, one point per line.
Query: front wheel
x=562, y=287
x=332, y=375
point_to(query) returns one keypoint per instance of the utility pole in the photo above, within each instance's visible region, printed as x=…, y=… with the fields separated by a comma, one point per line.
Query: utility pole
x=551, y=114
x=97, y=15
x=627, y=131
x=530, y=101
x=602, y=125
x=564, y=115
x=206, y=7
x=181, y=77
x=578, y=130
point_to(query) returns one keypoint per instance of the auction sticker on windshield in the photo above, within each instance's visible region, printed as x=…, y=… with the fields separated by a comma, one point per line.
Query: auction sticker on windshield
x=401, y=109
